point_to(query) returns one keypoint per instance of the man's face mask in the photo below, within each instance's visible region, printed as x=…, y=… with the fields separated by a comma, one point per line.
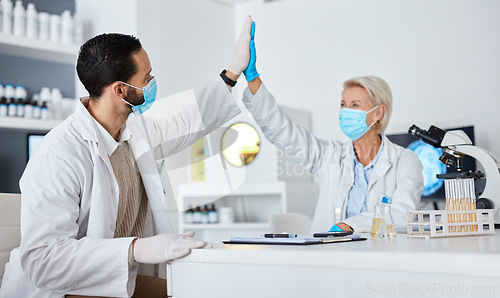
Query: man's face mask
x=149, y=92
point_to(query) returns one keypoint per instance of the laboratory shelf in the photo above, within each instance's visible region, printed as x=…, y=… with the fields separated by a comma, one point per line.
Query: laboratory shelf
x=30, y=48
x=24, y=123
x=251, y=205
x=232, y=226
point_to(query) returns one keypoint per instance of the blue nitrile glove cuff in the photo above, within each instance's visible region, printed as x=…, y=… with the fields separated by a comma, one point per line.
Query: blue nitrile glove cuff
x=335, y=228
x=251, y=71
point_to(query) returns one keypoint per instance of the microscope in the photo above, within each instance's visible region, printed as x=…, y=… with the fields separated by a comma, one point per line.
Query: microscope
x=456, y=144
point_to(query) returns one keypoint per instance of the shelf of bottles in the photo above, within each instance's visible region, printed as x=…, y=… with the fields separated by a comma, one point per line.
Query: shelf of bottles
x=17, y=111
x=27, y=33
x=212, y=207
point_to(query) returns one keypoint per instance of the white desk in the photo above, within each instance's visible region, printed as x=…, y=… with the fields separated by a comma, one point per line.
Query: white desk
x=401, y=267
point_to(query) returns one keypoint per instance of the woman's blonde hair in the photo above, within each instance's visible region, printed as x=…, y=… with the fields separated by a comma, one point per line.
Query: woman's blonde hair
x=379, y=93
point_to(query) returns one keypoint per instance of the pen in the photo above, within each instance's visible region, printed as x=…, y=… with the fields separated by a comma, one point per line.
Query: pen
x=282, y=235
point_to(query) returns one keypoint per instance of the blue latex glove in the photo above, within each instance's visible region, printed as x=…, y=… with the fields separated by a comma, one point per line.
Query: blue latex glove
x=251, y=71
x=335, y=228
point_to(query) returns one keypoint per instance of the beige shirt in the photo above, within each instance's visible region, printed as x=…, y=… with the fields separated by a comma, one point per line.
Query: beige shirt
x=133, y=201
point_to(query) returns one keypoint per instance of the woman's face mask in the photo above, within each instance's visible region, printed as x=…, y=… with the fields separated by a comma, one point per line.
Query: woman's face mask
x=353, y=122
x=149, y=92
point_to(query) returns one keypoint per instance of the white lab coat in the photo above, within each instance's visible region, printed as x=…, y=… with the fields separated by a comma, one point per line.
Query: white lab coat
x=397, y=173
x=70, y=200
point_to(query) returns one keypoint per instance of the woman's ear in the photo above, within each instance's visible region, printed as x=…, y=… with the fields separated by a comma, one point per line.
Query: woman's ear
x=380, y=112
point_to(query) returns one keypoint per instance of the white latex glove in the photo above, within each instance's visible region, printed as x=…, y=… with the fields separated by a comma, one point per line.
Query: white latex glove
x=165, y=247
x=241, y=55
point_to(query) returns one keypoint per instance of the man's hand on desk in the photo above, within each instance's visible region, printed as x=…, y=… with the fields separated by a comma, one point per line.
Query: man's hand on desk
x=166, y=247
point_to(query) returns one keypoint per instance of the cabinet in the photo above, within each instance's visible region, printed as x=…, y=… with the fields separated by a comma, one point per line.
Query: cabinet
x=252, y=204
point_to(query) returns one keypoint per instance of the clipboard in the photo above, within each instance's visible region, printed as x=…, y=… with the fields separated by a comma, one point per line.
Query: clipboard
x=292, y=241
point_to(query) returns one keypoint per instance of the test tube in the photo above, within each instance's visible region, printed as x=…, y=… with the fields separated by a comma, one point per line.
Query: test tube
x=449, y=201
x=466, y=204
x=460, y=217
x=465, y=197
x=456, y=203
x=472, y=198
x=472, y=189
x=452, y=202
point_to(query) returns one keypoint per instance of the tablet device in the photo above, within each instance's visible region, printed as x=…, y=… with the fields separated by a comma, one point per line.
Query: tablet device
x=332, y=234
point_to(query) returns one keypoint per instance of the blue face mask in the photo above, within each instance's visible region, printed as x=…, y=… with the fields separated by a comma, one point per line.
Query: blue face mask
x=353, y=122
x=149, y=93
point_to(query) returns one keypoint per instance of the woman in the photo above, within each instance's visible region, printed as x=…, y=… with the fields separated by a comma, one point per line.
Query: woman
x=352, y=176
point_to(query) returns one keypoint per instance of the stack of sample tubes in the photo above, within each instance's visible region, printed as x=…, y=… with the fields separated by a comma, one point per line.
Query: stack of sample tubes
x=460, y=195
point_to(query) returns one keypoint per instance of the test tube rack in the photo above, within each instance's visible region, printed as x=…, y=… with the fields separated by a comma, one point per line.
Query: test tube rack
x=435, y=223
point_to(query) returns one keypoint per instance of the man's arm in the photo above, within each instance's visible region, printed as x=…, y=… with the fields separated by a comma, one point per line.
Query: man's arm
x=51, y=253
x=212, y=107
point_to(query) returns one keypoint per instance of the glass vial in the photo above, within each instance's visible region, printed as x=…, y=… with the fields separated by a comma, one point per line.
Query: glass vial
x=387, y=228
x=377, y=219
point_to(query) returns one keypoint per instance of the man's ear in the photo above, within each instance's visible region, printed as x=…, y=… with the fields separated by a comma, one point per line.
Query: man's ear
x=118, y=89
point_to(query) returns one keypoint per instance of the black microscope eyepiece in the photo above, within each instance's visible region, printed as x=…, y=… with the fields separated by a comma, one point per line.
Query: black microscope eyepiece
x=434, y=136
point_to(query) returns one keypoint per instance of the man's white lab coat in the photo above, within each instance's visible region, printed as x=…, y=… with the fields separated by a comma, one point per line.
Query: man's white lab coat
x=397, y=173
x=70, y=200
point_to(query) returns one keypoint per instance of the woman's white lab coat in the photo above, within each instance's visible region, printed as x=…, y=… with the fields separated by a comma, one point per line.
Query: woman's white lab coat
x=397, y=173
x=70, y=200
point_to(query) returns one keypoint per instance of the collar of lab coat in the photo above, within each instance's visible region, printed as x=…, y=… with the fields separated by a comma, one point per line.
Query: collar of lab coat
x=88, y=128
x=383, y=164
x=91, y=130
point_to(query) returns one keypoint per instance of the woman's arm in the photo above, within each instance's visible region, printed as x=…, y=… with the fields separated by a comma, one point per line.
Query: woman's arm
x=205, y=111
x=278, y=128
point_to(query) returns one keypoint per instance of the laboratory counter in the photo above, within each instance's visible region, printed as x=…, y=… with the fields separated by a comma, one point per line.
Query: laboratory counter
x=400, y=267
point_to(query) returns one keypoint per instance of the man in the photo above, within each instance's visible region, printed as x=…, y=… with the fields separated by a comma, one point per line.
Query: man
x=86, y=191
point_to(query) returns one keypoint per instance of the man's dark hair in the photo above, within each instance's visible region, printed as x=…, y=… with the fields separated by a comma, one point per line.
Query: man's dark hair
x=105, y=59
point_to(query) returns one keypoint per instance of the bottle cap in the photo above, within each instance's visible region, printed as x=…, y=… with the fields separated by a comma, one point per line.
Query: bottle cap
x=66, y=14
x=45, y=94
x=9, y=91
x=20, y=92
x=386, y=200
x=43, y=17
x=56, y=95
